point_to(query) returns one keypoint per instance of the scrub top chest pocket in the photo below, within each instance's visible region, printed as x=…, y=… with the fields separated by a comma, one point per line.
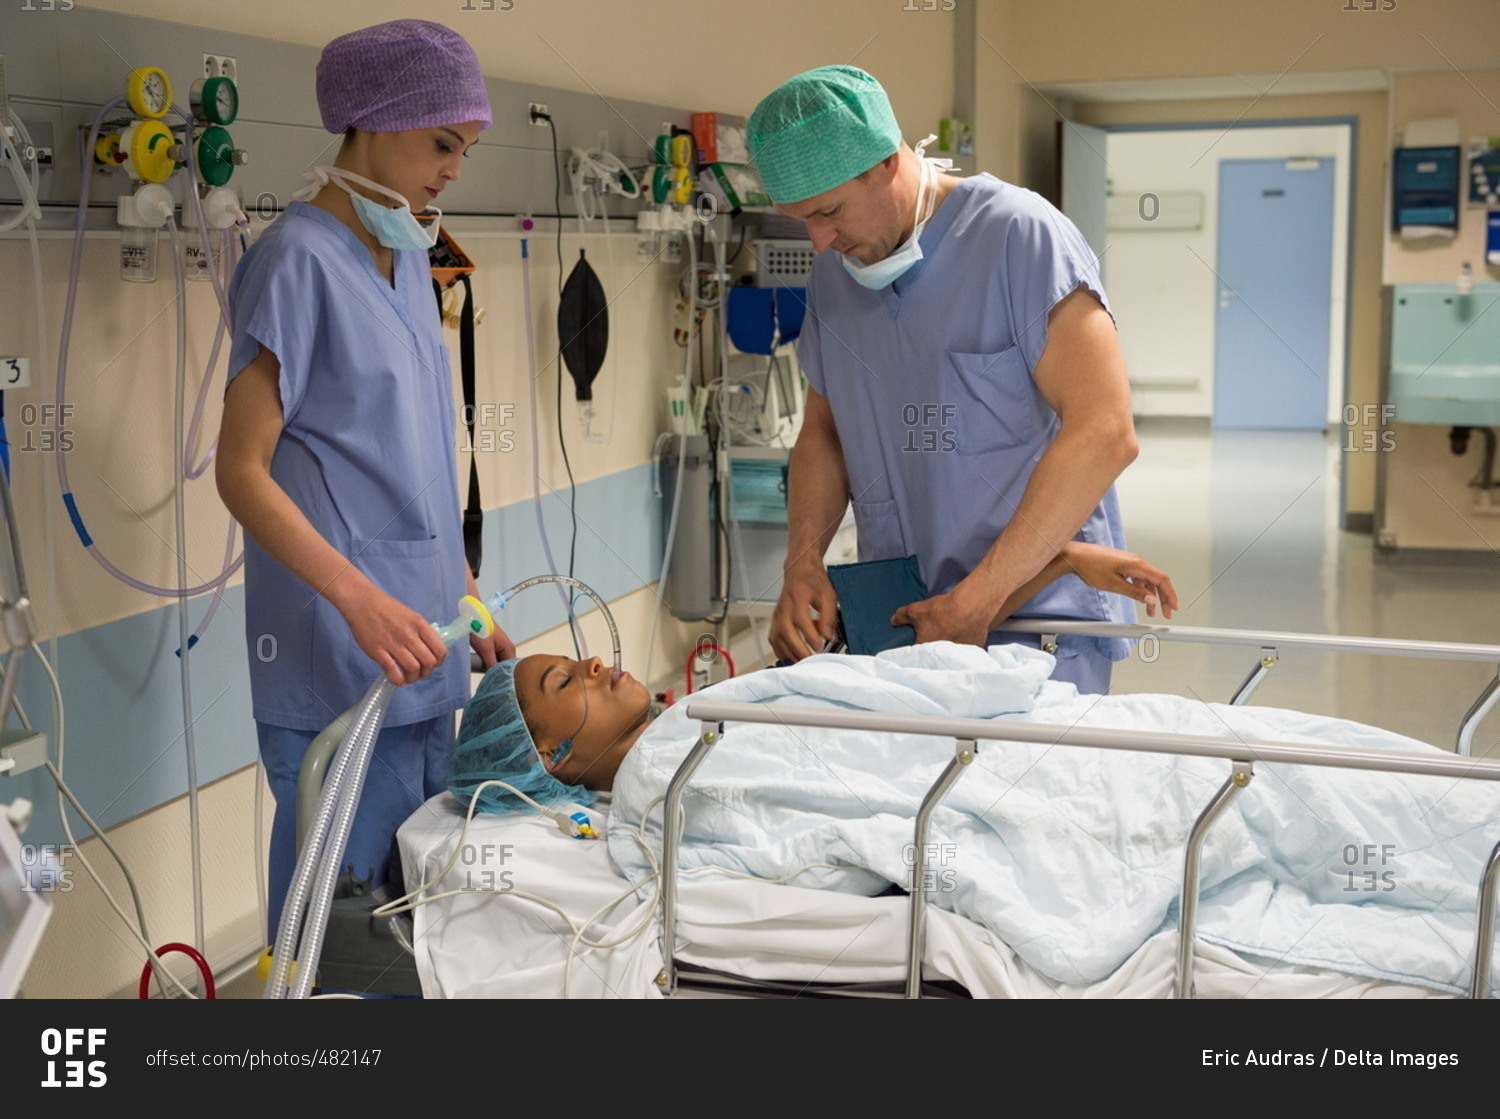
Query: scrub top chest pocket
x=993, y=403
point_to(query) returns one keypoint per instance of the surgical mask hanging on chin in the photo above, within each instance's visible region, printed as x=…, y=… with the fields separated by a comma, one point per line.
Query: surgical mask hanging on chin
x=395, y=229
x=883, y=273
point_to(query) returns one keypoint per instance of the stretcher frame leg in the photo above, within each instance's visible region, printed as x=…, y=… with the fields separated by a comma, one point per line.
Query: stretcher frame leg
x=1188, y=905
x=964, y=752
x=1484, y=941
x=671, y=836
x=1481, y=708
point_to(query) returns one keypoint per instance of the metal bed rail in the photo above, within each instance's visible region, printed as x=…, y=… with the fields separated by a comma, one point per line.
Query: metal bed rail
x=968, y=733
x=1271, y=643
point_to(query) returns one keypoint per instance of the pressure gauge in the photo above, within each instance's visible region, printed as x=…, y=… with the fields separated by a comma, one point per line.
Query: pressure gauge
x=216, y=100
x=149, y=92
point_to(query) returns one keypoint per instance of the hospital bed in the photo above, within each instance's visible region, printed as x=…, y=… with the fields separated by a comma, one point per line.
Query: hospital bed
x=568, y=922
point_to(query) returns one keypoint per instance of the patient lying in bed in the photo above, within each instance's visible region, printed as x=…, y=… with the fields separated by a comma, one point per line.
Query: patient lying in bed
x=1070, y=856
x=559, y=729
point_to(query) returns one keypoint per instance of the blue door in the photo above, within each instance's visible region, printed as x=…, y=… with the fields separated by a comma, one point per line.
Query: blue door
x=1275, y=270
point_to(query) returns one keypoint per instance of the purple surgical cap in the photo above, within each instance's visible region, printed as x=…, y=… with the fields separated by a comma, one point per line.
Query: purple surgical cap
x=408, y=73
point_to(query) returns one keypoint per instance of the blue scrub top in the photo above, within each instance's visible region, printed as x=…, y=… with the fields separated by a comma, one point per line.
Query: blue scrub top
x=367, y=451
x=930, y=384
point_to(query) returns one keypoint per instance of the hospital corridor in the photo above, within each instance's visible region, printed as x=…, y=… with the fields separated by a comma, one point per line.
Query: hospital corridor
x=1273, y=557
x=961, y=500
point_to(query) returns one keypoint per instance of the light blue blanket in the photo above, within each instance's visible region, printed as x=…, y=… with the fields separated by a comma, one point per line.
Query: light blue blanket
x=1073, y=857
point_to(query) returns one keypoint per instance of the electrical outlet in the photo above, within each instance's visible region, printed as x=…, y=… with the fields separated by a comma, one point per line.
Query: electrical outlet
x=220, y=66
x=538, y=113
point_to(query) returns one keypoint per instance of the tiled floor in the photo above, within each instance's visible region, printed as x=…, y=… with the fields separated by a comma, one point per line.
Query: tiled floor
x=1247, y=525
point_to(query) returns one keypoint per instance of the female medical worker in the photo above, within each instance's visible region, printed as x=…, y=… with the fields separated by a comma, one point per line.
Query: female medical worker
x=338, y=452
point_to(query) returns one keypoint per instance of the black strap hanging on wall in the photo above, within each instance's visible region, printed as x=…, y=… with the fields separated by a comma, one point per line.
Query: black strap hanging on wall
x=474, y=510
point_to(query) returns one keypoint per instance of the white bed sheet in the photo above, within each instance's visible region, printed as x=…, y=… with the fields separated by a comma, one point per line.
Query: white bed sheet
x=1073, y=856
x=487, y=945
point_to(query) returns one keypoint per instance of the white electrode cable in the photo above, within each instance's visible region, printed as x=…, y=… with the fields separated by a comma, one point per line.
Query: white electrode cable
x=422, y=895
x=55, y=771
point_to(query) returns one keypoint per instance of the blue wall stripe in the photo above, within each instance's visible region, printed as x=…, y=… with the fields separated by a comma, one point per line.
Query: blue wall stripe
x=125, y=752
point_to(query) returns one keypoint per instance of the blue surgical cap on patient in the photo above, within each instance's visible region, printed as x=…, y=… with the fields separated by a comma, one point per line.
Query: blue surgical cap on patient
x=495, y=744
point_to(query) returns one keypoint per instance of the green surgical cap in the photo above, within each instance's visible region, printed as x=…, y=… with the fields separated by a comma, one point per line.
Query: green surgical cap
x=820, y=130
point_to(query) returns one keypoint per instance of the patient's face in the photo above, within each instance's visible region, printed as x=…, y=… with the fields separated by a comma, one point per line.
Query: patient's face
x=564, y=698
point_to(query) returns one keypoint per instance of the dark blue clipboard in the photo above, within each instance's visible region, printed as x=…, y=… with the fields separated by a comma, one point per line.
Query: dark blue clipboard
x=869, y=593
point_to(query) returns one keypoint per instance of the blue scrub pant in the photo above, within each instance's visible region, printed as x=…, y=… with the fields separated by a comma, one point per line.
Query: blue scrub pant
x=410, y=764
x=1088, y=671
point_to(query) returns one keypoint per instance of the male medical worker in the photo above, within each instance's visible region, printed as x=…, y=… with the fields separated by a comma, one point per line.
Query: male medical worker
x=967, y=390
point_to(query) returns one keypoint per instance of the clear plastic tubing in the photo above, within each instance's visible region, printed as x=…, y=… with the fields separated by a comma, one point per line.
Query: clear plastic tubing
x=496, y=602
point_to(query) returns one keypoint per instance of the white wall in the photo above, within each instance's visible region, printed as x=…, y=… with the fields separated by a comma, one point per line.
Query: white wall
x=1161, y=282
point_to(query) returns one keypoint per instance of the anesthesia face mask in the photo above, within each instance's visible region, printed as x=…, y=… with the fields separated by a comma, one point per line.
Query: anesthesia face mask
x=883, y=273
x=394, y=228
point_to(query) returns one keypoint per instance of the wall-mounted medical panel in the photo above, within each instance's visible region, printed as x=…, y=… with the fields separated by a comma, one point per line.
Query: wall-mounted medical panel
x=63, y=66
